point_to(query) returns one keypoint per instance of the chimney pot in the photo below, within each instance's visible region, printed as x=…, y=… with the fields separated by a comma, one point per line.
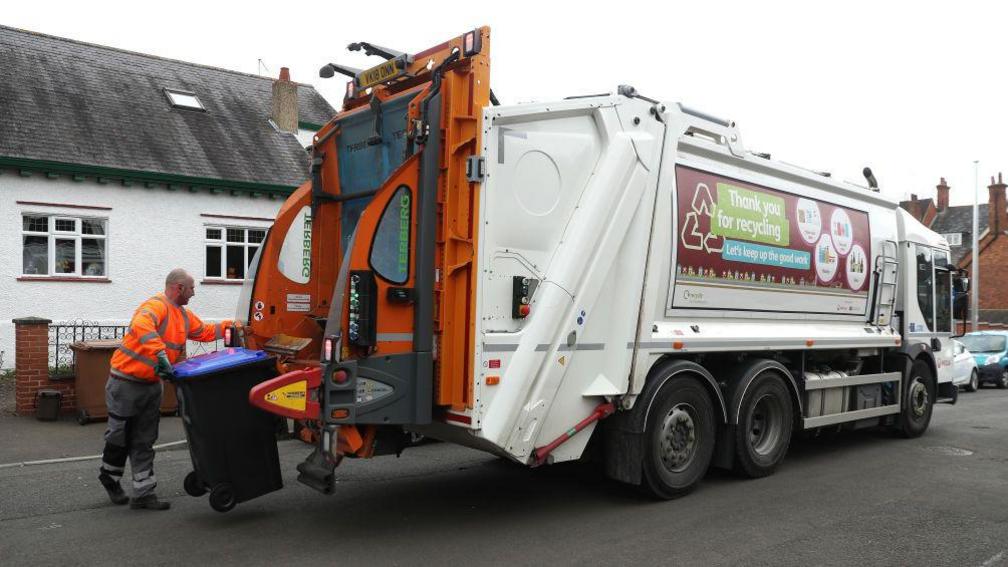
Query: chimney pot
x=913, y=196
x=997, y=210
x=943, y=195
x=285, y=107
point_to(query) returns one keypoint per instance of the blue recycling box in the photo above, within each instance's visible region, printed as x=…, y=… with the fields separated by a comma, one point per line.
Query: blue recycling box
x=231, y=443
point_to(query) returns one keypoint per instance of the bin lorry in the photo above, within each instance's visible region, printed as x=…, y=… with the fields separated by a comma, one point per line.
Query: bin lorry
x=609, y=275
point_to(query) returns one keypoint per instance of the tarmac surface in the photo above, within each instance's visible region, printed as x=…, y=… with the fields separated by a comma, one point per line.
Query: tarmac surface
x=853, y=498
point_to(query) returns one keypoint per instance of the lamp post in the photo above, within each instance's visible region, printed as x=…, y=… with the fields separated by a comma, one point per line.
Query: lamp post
x=975, y=264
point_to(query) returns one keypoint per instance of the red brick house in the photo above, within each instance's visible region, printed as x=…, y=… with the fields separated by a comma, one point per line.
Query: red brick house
x=956, y=224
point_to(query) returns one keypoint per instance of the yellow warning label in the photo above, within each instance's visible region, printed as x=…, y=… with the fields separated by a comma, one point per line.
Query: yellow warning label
x=293, y=396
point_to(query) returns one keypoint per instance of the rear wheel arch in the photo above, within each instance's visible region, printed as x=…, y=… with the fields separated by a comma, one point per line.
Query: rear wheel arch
x=670, y=369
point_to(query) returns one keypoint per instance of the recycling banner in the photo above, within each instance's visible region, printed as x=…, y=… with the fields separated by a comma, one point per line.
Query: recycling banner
x=739, y=246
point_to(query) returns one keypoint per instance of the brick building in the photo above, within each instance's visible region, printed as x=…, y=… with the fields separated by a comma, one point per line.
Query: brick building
x=956, y=225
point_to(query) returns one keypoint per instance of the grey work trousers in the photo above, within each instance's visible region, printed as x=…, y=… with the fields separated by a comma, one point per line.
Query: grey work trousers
x=134, y=410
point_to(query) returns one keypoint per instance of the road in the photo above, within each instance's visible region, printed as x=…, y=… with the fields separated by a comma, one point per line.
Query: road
x=855, y=498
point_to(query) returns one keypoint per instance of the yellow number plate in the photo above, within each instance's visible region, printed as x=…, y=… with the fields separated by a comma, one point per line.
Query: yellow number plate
x=378, y=74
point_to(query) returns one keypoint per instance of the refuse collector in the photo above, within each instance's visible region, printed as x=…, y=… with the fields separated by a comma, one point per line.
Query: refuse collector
x=156, y=339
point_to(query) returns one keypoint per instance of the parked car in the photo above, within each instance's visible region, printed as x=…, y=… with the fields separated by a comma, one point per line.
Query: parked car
x=964, y=368
x=990, y=350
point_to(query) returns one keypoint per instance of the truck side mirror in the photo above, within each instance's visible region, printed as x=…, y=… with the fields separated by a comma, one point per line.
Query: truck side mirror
x=960, y=305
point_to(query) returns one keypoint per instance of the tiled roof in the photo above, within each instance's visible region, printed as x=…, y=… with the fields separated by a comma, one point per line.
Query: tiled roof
x=72, y=102
x=960, y=220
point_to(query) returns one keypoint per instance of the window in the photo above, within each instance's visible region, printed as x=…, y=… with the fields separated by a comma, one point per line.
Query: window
x=229, y=250
x=390, y=250
x=925, y=281
x=63, y=246
x=943, y=292
x=184, y=99
x=953, y=238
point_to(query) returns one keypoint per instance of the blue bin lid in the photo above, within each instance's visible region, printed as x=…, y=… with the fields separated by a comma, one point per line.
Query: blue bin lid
x=214, y=361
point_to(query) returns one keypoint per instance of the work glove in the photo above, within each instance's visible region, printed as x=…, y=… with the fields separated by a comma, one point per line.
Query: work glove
x=163, y=368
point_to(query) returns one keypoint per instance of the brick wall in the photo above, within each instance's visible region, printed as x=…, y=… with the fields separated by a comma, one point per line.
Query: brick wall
x=31, y=367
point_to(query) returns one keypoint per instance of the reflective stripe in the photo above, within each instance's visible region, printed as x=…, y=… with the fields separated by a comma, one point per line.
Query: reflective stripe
x=112, y=469
x=138, y=484
x=151, y=314
x=218, y=331
x=138, y=357
x=148, y=337
x=123, y=376
x=174, y=346
x=163, y=327
x=143, y=474
x=185, y=320
x=198, y=332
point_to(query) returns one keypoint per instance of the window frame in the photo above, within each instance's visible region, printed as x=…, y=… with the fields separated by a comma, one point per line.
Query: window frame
x=249, y=249
x=409, y=241
x=168, y=92
x=77, y=236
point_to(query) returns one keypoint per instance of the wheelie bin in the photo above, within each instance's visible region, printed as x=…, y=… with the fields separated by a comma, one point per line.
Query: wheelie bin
x=232, y=444
x=92, y=361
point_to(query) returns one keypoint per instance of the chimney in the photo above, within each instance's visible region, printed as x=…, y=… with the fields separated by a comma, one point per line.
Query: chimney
x=285, y=107
x=943, y=195
x=997, y=211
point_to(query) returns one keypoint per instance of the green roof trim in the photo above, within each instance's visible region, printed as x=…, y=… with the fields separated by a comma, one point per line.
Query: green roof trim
x=309, y=125
x=25, y=167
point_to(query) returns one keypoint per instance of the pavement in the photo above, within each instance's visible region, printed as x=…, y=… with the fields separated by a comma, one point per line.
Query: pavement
x=854, y=498
x=25, y=438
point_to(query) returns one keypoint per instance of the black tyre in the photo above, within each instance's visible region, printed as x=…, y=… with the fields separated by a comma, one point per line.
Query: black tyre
x=82, y=417
x=974, y=382
x=918, y=401
x=1002, y=381
x=193, y=486
x=679, y=439
x=222, y=497
x=765, y=422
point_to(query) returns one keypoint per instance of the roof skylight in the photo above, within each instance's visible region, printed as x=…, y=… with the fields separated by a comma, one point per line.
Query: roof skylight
x=184, y=99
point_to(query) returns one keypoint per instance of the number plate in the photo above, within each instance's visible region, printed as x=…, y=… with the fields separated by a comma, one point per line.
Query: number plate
x=379, y=74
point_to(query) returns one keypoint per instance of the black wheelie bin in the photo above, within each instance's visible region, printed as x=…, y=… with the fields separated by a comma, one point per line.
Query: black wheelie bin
x=232, y=444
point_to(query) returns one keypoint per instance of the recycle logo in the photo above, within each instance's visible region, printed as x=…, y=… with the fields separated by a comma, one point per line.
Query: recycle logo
x=697, y=233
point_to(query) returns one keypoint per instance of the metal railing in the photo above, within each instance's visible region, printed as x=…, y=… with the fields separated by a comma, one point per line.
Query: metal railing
x=62, y=334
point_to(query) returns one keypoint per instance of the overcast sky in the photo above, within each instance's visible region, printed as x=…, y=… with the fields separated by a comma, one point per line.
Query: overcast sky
x=916, y=90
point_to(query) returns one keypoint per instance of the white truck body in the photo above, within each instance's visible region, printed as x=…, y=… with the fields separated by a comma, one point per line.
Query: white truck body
x=585, y=196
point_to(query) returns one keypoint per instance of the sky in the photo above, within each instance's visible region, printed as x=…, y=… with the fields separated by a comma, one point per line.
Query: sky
x=915, y=90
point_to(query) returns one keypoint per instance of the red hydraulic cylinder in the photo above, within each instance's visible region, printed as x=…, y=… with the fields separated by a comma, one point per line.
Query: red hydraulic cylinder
x=603, y=410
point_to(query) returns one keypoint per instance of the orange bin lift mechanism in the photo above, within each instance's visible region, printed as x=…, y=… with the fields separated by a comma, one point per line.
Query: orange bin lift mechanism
x=465, y=90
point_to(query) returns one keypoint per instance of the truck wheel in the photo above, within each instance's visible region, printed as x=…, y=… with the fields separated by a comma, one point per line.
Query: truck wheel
x=222, y=497
x=679, y=439
x=1002, y=382
x=765, y=421
x=918, y=401
x=192, y=485
x=974, y=383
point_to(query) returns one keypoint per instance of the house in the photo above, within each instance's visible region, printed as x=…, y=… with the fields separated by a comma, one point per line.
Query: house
x=956, y=225
x=116, y=167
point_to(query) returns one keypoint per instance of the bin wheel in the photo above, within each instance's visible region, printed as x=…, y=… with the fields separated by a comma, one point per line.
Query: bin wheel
x=82, y=417
x=193, y=486
x=222, y=498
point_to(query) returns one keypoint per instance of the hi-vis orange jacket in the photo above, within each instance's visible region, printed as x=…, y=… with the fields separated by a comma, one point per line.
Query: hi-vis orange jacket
x=158, y=325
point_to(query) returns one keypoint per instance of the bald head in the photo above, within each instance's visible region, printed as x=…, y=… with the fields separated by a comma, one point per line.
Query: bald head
x=177, y=276
x=179, y=286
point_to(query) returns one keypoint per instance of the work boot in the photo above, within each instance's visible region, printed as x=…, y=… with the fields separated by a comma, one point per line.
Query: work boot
x=149, y=502
x=114, y=489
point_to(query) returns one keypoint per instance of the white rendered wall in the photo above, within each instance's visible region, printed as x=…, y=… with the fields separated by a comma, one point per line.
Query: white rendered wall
x=150, y=231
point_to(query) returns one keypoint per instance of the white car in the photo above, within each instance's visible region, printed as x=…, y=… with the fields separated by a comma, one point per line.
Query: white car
x=964, y=368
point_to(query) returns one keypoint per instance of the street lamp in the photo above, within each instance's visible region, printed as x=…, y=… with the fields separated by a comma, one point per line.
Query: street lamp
x=975, y=283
